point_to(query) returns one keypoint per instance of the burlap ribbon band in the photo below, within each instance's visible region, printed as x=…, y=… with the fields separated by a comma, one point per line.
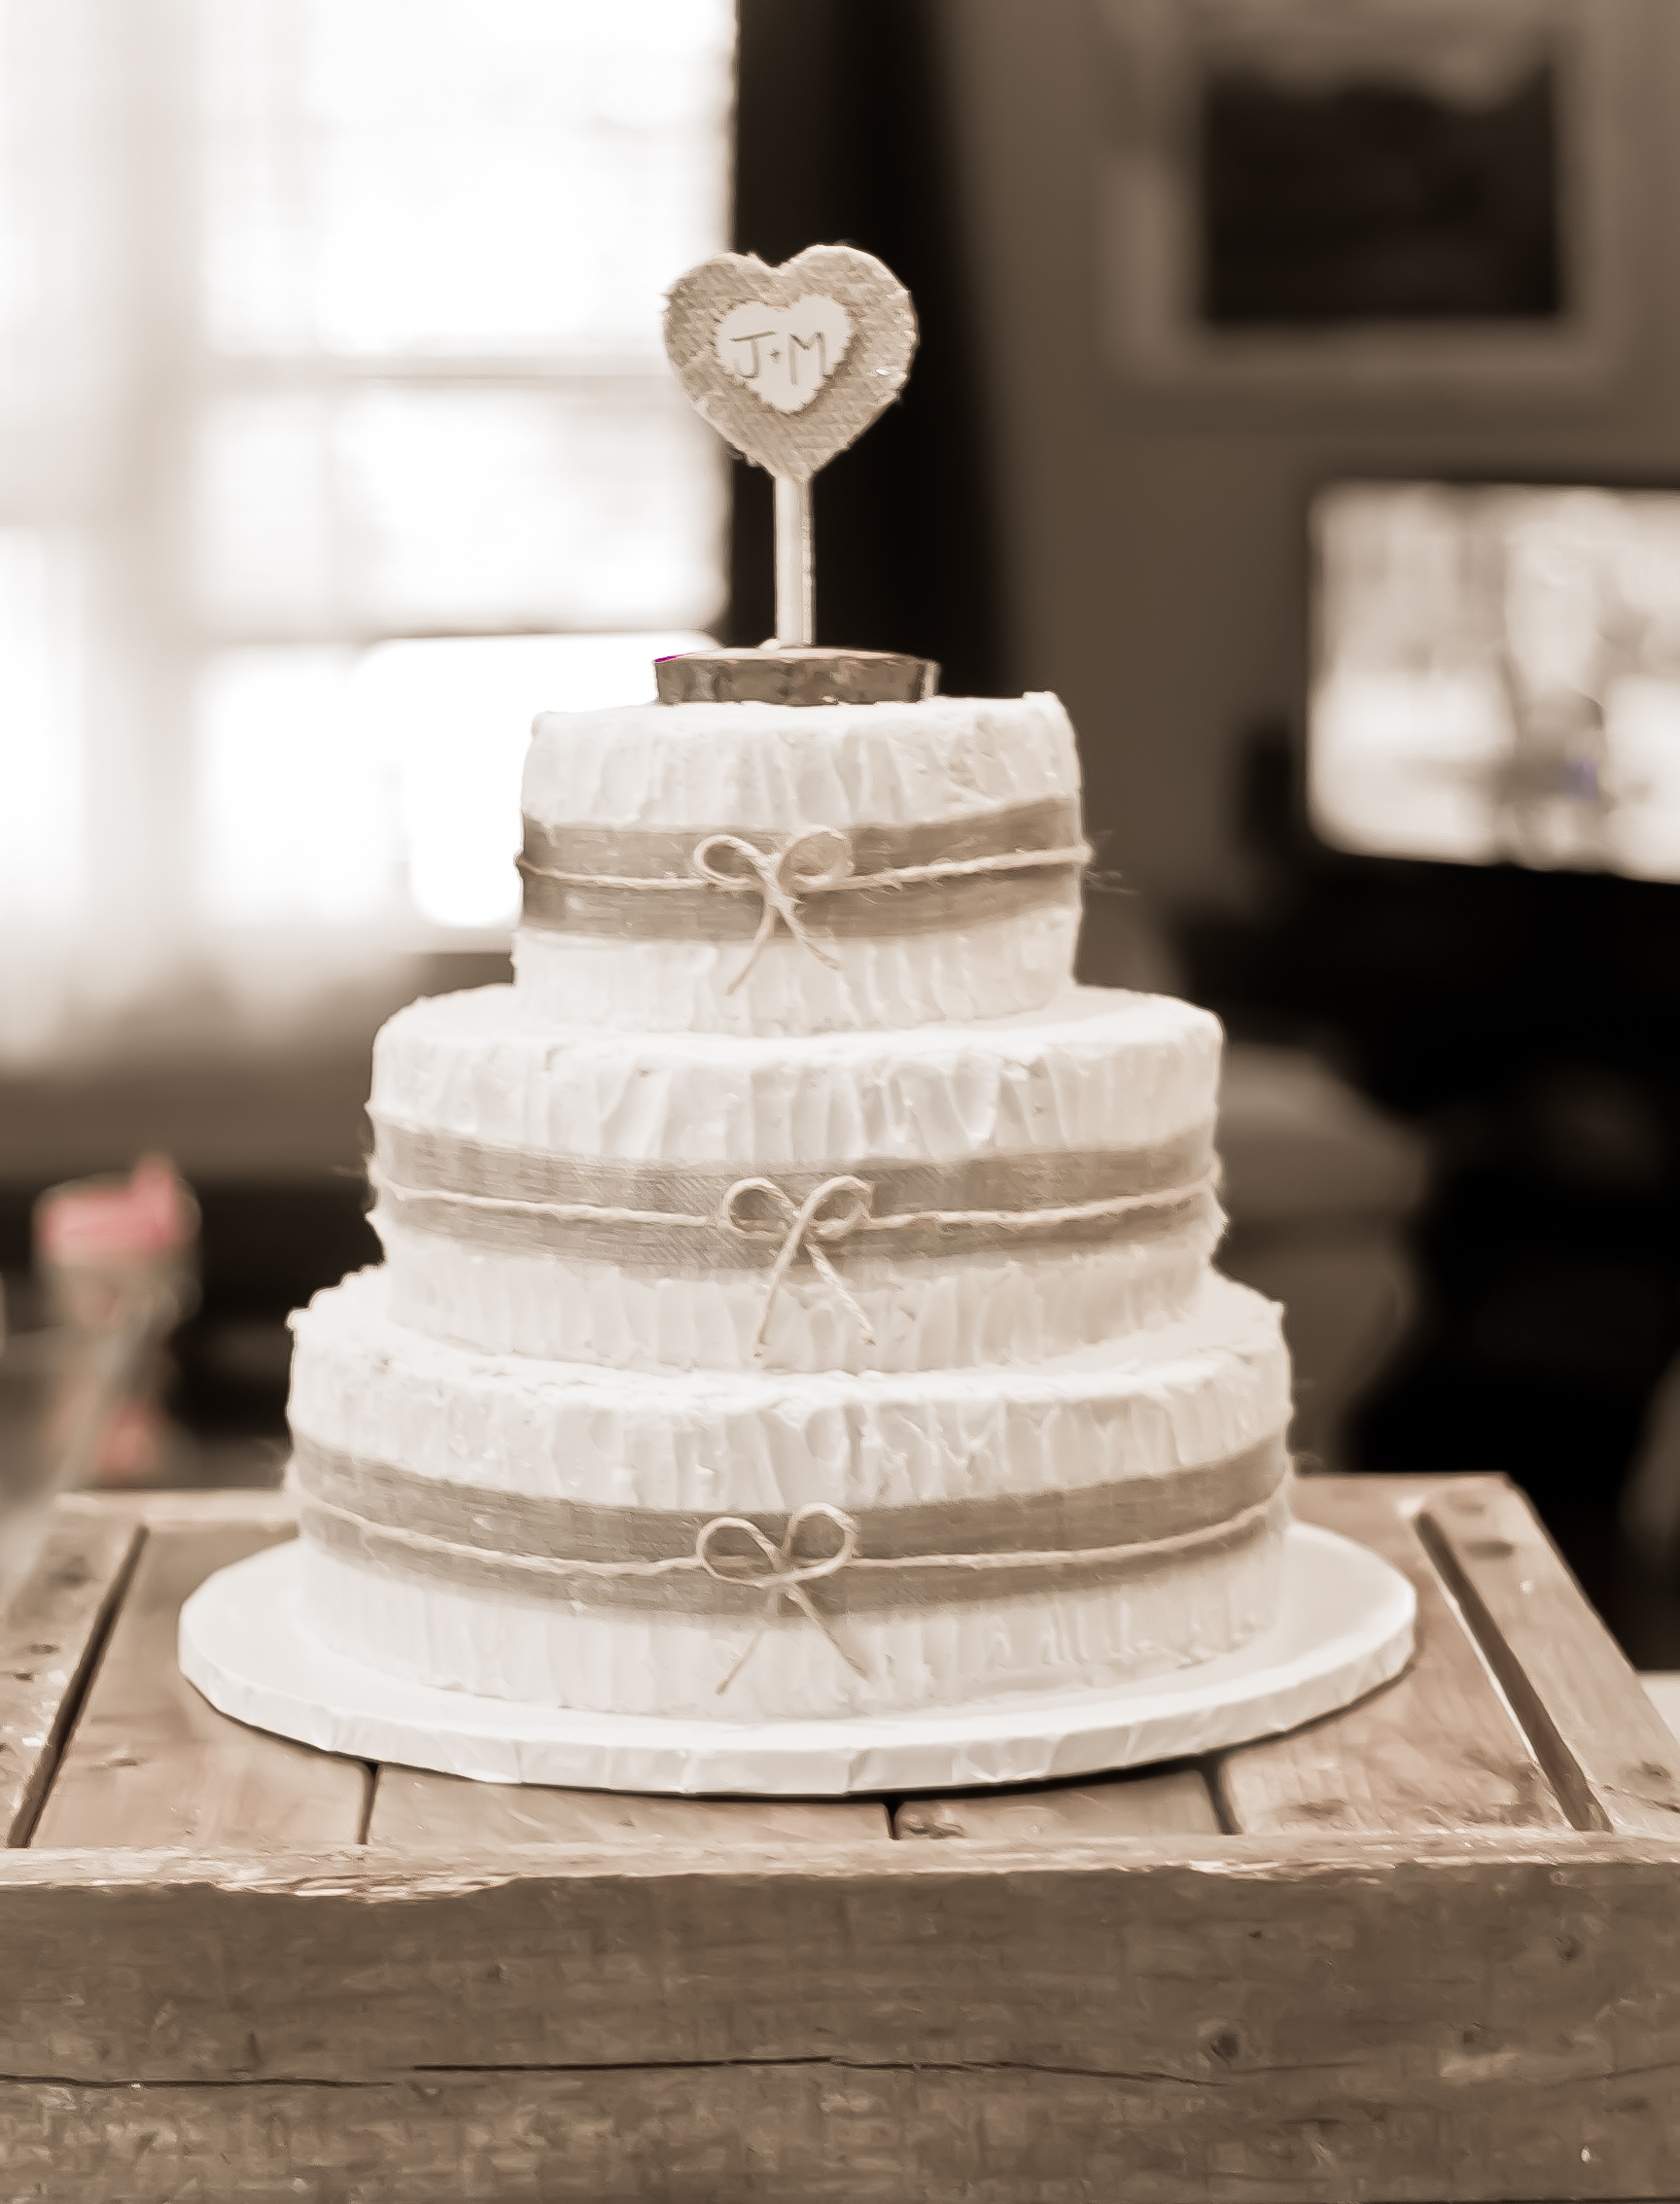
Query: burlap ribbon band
x=678, y=1219
x=871, y=1560
x=818, y=885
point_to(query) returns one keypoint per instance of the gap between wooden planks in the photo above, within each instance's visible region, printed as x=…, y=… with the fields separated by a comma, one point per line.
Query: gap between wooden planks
x=50, y=1637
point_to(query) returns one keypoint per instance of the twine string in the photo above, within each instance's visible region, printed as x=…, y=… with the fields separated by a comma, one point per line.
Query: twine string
x=812, y=862
x=780, y=1570
x=817, y=861
x=811, y=1226
x=804, y=1227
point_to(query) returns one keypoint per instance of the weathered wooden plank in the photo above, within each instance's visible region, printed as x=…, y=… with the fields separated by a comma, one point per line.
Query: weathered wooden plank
x=153, y=1764
x=831, y=2132
x=1435, y=1749
x=51, y=1634
x=1611, y=1758
x=264, y=1506
x=1169, y=1802
x=1313, y=2022
x=554, y=1956
x=445, y=1814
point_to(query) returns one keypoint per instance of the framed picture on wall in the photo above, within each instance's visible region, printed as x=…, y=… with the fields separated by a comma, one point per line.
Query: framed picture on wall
x=1377, y=196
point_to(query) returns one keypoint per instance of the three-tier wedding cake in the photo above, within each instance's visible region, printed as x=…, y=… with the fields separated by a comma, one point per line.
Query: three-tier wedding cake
x=797, y=1295
x=798, y=1364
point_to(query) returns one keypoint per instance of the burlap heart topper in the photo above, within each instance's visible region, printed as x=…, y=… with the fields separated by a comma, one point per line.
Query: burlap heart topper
x=792, y=363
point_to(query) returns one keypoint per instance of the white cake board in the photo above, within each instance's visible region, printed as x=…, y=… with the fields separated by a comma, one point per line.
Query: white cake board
x=1347, y=1626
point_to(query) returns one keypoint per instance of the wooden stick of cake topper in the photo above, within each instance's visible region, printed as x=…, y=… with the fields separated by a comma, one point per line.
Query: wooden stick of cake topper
x=791, y=364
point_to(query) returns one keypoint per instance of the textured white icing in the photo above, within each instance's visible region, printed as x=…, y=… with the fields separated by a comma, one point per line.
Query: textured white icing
x=673, y=1665
x=685, y=985
x=925, y=1313
x=1100, y=1068
x=1200, y=1392
x=1197, y=1391
x=1002, y=1372
x=1099, y=1071
x=763, y=768
x=780, y=767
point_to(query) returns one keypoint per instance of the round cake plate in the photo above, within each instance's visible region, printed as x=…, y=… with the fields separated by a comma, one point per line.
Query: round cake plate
x=1346, y=1627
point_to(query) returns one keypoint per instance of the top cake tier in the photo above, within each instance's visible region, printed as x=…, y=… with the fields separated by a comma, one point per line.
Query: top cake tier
x=776, y=869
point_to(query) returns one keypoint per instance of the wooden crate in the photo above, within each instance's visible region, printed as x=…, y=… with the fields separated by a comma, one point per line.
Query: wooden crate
x=1427, y=1949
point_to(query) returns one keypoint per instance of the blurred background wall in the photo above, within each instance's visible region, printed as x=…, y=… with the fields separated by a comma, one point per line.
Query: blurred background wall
x=1154, y=542
x=1157, y=574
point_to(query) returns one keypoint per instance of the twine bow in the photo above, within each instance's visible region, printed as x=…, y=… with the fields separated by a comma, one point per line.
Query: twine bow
x=803, y=1226
x=817, y=861
x=780, y=1570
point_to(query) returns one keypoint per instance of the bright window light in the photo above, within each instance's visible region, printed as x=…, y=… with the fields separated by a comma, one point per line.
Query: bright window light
x=480, y=176
x=336, y=440
x=41, y=850
x=297, y=811
x=385, y=785
x=43, y=838
x=1498, y=674
x=569, y=505
x=454, y=721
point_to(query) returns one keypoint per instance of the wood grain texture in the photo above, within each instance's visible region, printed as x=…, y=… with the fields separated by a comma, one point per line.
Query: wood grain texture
x=151, y=1763
x=1610, y=1756
x=1437, y=1749
x=1349, y=2017
x=413, y=1810
x=264, y=1507
x=795, y=677
x=827, y=2131
x=1084, y=2004
x=1172, y=1802
x=50, y=1635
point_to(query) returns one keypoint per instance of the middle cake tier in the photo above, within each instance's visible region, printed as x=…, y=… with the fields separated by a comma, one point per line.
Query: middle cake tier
x=932, y=1198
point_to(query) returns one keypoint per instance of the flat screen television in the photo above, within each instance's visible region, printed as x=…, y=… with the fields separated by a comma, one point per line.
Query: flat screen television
x=1496, y=674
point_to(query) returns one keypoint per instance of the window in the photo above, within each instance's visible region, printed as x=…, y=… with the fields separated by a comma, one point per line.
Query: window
x=337, y=437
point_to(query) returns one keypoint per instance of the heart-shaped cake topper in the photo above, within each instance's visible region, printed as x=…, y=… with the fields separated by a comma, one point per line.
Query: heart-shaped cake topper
x=791, y=363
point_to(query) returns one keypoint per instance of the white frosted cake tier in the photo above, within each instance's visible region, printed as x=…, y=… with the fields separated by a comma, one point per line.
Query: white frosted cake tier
x=1098, y=1067
x=921, y=1314
x=683, y=986
x=781, y=766
x=626, y=793
x=428, y=1470
x=518, y=1168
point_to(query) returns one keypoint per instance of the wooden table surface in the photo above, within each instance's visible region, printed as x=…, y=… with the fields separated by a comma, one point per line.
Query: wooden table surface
x=1428, y=1948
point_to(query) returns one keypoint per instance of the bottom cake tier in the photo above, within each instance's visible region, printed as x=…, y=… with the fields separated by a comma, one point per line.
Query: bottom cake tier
x=746, y=1546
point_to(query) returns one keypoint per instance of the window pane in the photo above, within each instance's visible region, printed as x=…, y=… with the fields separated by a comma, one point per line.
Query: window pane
x=297, y=805
x=43, y=853
x=485, y=176
x=268, y=536
x=327, y=320
x=455, y=718
x=383, y=786
x=69, y=241
x=41, y=842
x=596, y=506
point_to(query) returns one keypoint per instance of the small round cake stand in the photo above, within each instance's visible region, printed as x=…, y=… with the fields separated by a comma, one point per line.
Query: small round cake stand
x=1346, y=1626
